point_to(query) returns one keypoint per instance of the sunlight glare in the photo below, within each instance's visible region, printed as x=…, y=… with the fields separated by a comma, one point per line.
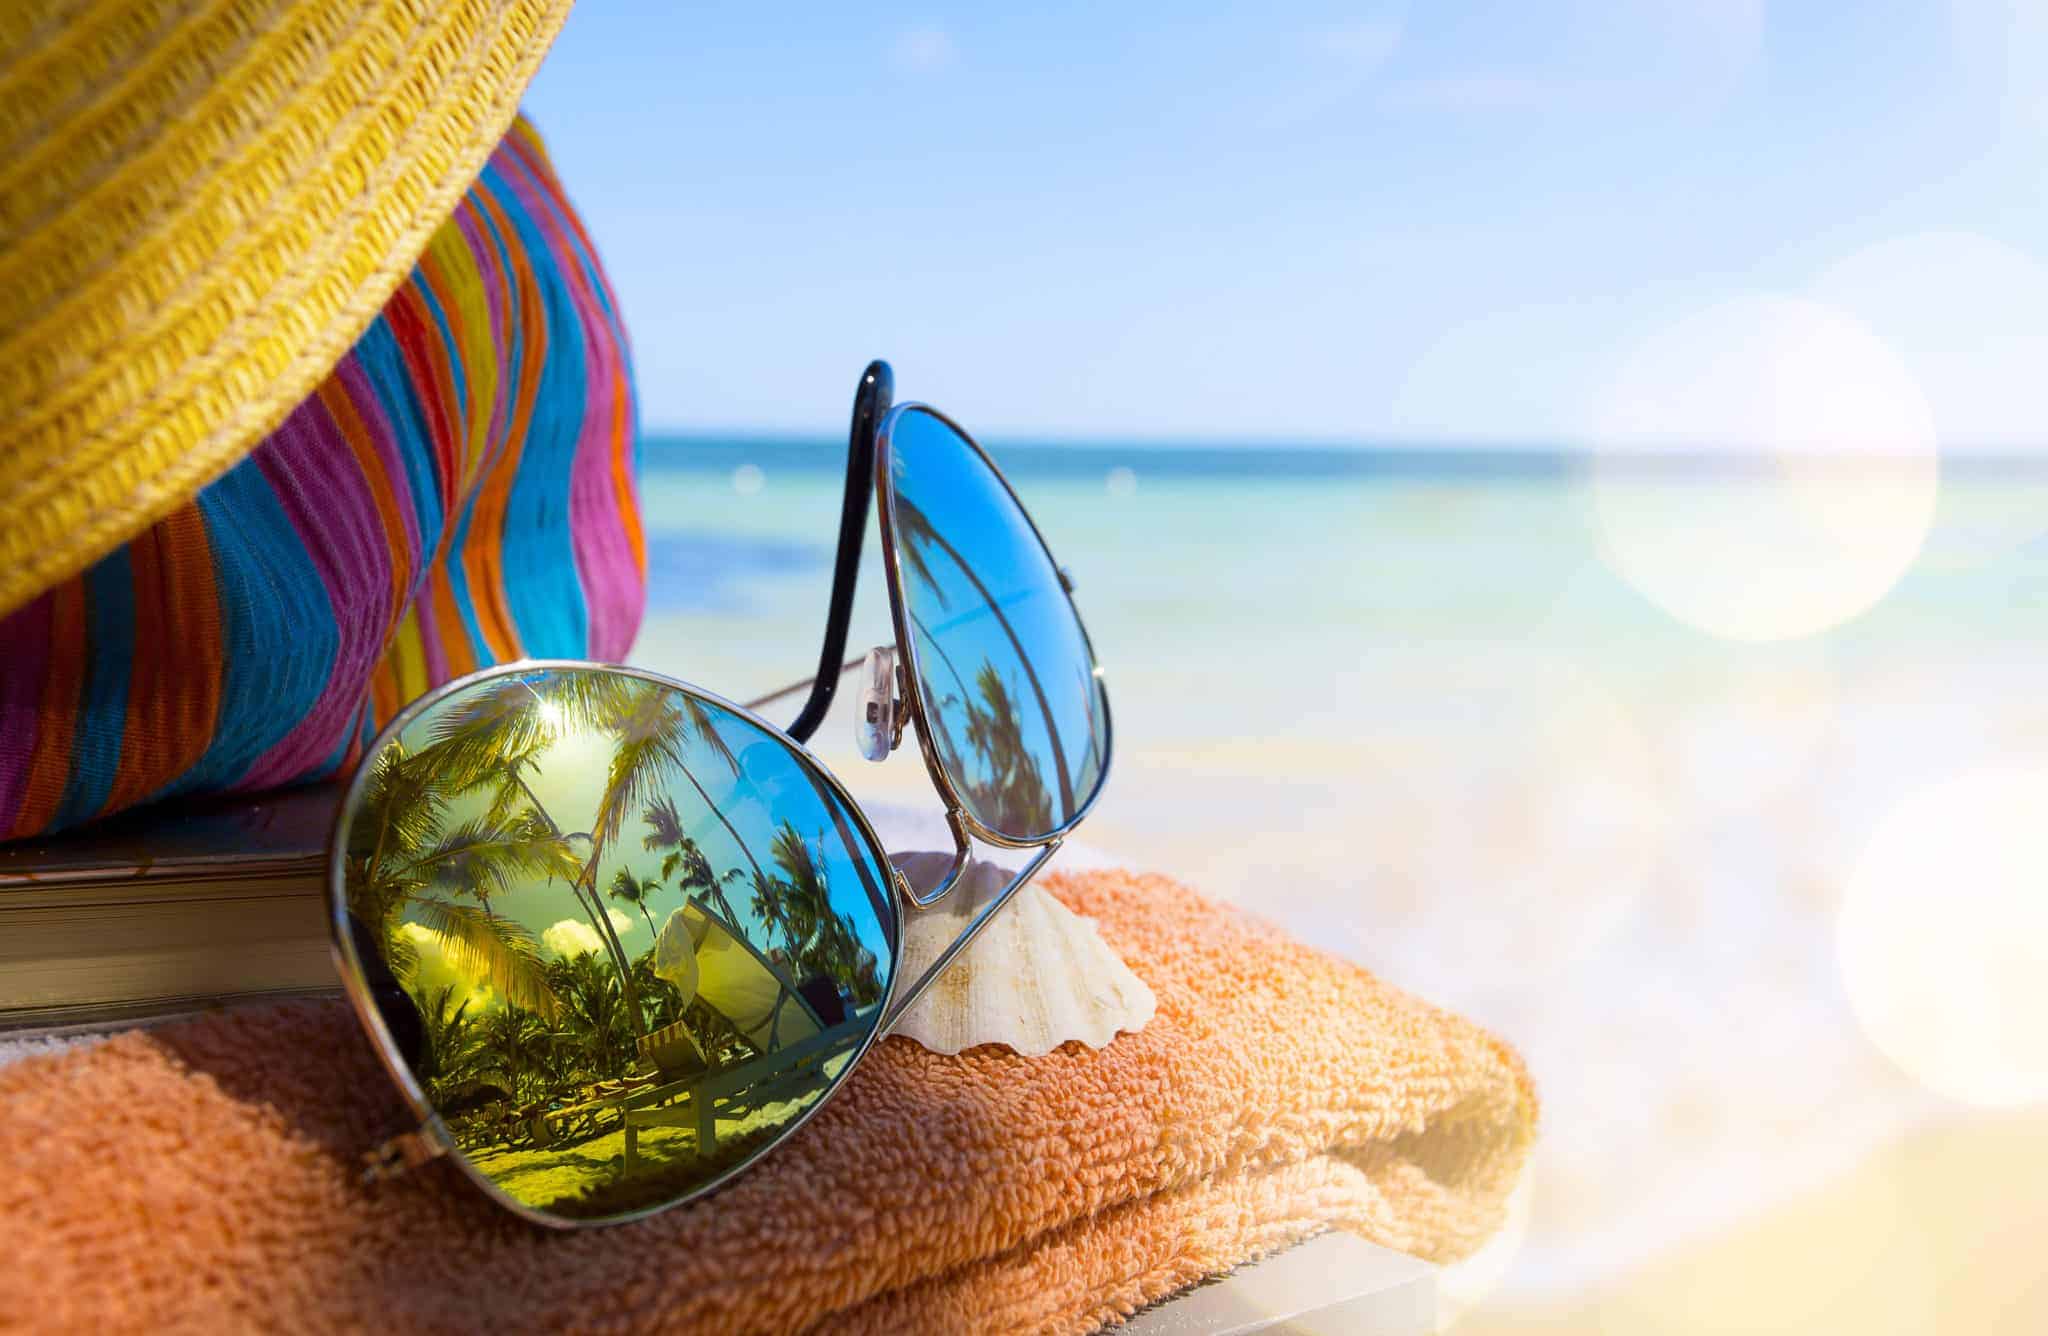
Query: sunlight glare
x=1756, y=735
x=1573, y=839
x=1465, y=1285
x=1943, y=937
x=1832, y=481
x=1599, y=820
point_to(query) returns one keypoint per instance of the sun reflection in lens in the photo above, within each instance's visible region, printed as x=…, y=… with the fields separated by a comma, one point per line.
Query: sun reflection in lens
x=1831, y=477
x=439, y=966
x=628, y=967
x=1943, y=937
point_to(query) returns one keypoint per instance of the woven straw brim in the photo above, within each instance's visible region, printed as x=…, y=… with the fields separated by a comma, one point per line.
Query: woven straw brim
x=203, y=204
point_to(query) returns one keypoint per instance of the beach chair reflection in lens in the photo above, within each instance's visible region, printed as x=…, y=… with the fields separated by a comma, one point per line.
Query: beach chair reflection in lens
x=797, y=1032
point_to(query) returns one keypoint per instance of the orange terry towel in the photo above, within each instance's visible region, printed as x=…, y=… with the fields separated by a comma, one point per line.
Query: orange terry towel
x=204, y=1175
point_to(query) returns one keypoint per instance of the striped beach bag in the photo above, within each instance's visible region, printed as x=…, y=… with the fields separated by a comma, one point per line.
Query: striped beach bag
x=457, y=492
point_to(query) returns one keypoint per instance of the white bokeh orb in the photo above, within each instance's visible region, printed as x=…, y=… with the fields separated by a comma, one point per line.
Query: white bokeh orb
x=1942, y=935
x=1808, y=477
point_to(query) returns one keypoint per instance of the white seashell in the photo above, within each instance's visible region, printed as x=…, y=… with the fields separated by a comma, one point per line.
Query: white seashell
x=1036, y=977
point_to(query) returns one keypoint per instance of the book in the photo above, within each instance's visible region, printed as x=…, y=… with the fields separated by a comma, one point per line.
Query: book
x=1334, y=1283
x=167, y=909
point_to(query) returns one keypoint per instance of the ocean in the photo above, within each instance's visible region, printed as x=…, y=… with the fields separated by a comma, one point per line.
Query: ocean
x=1594, y=750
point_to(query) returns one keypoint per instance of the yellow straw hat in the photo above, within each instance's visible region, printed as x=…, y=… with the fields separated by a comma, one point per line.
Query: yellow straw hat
x=203, y=203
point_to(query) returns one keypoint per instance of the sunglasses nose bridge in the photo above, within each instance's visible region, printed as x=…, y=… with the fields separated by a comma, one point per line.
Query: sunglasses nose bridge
x=926, y=877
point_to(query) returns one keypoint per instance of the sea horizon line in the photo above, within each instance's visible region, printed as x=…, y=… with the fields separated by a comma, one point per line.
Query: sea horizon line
x=1075, y=456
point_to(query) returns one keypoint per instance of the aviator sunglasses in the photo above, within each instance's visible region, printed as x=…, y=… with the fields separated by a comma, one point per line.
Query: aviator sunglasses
x=616, y=937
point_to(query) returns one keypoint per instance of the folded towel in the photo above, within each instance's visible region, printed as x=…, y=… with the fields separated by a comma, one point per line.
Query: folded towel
x=204, y=1174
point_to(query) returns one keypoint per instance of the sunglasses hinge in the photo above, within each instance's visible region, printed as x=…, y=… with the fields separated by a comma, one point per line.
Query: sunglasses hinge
x=401, y=1155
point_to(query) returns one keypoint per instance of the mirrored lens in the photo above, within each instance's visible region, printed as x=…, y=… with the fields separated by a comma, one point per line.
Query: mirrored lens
x=1009, y=685
x=622, y=937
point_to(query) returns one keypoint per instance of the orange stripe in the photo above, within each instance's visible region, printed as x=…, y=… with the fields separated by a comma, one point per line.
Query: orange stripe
x=481, y=559
x=50, y=765
x=140, y=766
x=384, y=689
x=383, y=686
x=192, y=593
x=173, y=698
x=411, y=320
x=420, y=340
x=526, y=141
x=335, y=398
x=622, y=467
x=456, y=650
x=451, y=407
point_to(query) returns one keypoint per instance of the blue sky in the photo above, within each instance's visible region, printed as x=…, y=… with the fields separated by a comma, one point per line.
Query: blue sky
x=1456, y=222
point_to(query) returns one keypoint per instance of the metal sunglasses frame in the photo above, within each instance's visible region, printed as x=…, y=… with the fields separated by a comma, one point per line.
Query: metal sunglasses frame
x=868, y=456
x=868, y=466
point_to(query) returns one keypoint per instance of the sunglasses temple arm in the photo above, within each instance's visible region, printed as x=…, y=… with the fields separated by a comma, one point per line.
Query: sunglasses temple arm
x=406, y=1152
x=870, y=405
x=760, y=701
x=900, y=1001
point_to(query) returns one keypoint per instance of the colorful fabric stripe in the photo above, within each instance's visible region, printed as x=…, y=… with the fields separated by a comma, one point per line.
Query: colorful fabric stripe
x=459, y=492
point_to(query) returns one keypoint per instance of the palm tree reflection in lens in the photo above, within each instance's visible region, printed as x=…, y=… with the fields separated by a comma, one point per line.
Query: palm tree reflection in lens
x=919, y=534
x=576, y=1075
x=1008, y=790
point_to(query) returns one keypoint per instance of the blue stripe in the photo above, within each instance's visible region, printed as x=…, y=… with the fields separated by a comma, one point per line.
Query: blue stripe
x=593, y=277
x=384, y=364
x=103, y=704
x=544, y=592
x=327, y=768
x=458, y=578
x=278, y=638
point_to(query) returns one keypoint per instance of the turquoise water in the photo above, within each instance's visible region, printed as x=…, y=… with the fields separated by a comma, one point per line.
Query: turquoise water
x=1490, y=725
x=1267, y=566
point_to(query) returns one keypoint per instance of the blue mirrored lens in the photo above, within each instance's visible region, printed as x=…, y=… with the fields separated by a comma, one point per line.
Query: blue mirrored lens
x=1009, y=685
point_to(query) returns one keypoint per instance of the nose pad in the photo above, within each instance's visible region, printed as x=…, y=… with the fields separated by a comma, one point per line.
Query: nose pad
x=878, y=722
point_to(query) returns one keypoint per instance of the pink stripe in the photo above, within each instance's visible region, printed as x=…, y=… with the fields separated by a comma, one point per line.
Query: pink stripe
x=433, y=654
x=612, y=586
x=356, y=382
x=309, y=465
x=613, y=591
x=26, y=633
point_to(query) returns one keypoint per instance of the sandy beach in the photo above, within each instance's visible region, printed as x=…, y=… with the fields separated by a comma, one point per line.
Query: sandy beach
x=1432, y=725
x=1938, y=1232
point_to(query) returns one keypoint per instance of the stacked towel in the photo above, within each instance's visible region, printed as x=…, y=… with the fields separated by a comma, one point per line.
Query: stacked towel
x=204, y=1174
